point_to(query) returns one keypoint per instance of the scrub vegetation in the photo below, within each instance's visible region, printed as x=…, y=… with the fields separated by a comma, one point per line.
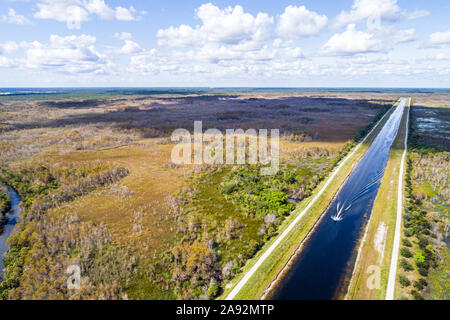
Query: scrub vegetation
x=424, y=264
x=235, y=210
x=43, y=245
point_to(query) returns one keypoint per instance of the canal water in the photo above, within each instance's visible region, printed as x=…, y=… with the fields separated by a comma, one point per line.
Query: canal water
x=13, y=217
x=322, y=269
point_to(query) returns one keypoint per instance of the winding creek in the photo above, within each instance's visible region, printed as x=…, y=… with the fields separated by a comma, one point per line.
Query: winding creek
x=13, y=217
x=322, y=269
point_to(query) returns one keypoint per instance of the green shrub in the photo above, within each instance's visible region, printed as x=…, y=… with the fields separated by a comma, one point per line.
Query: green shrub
x=405, y=252
x=407, y=233
x=418, y=285
x=421, y=262
x=405, y=265
x=260, y=195
x=406, y=242
x=416, y=295
x=404, y=281
x=213, y=289
x=423, y=271
x=423, y=241
x=419, y=258
x=423, y=282
x=5, y=203
x=429, y=253
x=228, y=188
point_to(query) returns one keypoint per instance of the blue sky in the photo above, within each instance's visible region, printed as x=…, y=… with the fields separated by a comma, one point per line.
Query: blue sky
x=368, y=43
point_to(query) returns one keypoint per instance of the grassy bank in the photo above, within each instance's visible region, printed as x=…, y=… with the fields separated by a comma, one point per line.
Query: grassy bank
x=274, y=264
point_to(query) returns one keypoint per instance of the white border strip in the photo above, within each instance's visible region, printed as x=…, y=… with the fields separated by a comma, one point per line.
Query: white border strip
x=274, y=245
x=398, y=223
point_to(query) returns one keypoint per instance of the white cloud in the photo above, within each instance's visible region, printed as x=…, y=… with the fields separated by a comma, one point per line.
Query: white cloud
x=218, y=60
x=6, y=62
x=15, y=18
x=100, y=8
x=180, y=36
x=350, y=42
x=130, y=47
x=369, y=60
x=366, y=9
x=122, y=35
x=230, y=26
x=73, y=12
x=71, y=54
x=406, y=35
x=228, y=45
x=125, y=14
x=439, y=38
x=441, y=56
x=214, y=53
x=9, y=47
x=299, y=21
x=418, y=14
x=144, y=63
x=227, y=42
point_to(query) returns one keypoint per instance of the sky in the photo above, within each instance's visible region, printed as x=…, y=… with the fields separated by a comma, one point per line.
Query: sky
x=253, y=43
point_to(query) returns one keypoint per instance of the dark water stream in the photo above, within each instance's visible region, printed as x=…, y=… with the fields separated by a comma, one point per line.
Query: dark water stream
x=13, y=216
x=321, y=270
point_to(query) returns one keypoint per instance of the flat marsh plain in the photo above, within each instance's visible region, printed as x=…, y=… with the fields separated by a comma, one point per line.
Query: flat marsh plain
x=99, y=190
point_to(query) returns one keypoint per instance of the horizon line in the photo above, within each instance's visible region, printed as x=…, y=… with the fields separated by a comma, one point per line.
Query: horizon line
x=218, y=87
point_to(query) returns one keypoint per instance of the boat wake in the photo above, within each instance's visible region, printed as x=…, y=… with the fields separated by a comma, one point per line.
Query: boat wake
x=343, y=206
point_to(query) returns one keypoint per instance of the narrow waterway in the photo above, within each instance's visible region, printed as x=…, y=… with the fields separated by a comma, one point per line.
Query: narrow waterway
x=13, y=217
x=323, y=267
